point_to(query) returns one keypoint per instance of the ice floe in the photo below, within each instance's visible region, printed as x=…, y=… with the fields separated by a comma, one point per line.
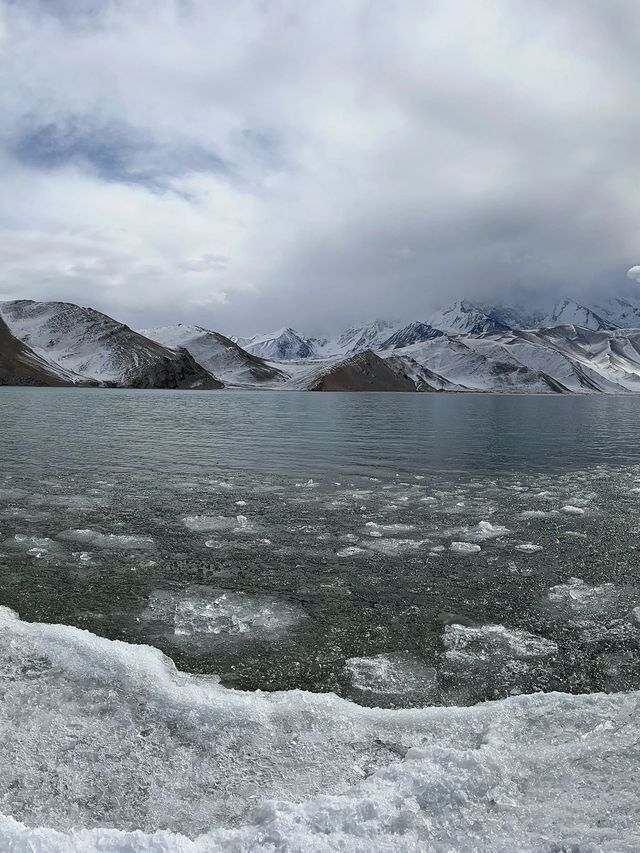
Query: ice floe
x=116, y=541
x=482, y=532
x=487, y=660
x=395, y=675
x=221, y=524
x=396, y=547
x=529, y=548
x=350, y=551
x=569, y=509
x=464, y=548
x=204, y=610
x=35, y=546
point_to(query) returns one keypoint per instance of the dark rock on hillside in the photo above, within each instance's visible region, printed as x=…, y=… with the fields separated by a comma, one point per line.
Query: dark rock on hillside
x=19, y=364
x=257, y=367
x=414, y=333
x=364, y=371
x=174, y=371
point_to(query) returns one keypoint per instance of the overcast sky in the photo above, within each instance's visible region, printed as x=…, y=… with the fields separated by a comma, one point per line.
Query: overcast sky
x=248, y=164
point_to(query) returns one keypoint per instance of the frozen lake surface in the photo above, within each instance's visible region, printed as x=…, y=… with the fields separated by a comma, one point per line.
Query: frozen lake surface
x=397, y=551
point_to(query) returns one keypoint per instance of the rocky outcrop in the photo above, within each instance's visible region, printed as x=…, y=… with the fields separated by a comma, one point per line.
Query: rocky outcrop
x=178, y=370
x=364, y=371
x=218, y=354
x=19, y=365
x=256, y=367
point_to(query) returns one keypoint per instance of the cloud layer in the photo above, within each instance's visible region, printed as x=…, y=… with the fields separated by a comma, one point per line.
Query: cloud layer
x=250, y=164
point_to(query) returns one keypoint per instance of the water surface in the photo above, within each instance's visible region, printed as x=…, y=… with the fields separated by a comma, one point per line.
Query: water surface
x=395, y=549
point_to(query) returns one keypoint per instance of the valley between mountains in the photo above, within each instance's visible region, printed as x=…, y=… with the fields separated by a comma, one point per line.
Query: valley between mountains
x=460, y=348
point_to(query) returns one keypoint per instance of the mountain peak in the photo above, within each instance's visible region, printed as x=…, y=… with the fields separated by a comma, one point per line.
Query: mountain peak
x=566, y=312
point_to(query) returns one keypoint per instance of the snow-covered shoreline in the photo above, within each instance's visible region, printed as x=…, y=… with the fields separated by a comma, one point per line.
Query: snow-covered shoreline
x=105, y=737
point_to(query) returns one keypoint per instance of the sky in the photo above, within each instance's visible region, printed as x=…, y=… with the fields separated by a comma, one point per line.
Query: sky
x=252, y=164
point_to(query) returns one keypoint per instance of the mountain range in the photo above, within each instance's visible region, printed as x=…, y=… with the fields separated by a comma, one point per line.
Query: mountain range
x=465, y=346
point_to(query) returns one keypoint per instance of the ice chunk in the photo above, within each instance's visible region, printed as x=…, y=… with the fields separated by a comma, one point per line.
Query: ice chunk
x=394, y=675
x=488, y=660
x=396, y=547
x=374, y=528
x=572, y=510
x=220, y=523
x=35, y=546
x=483, y=531
x=579, y=596
x=487, y=640
x=116, y=541
x=529, y=548
x=602, y=611
x=204, y=610
x=464, y=548
x=310, y=484
x=350, y=551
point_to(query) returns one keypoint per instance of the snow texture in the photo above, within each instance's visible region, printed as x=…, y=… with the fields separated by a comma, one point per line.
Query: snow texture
x=110, y=749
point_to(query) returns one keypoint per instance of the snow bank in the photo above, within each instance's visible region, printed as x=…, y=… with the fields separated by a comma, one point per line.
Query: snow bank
x=112, y=750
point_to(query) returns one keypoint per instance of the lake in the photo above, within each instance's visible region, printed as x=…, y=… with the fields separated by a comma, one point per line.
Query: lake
x=396, y=549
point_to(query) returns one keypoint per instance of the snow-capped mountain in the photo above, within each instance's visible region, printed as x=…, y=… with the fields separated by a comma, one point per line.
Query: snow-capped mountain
x=82, y=344
x=620, y=312
x=576, y=350
x=564, y=359
x=282, y=345
x=370, y=335
x=465, y=318
x=414, y=333
x=513, y=317
x=569, y=313
x=218, y=354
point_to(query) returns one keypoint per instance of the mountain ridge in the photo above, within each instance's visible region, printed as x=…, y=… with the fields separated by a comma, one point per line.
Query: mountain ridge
x=58, y=343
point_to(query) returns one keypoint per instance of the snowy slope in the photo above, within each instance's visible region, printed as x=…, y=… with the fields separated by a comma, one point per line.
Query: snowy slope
x=566, y=312
x=414, y=333
x=93, y=346
x=20, y=365
x=371, y=335
x=458, y=362
x=624, y=313
x=221, y=356
x=284, y=344
x=513, y=317
x=562, y=359
x=463, y=317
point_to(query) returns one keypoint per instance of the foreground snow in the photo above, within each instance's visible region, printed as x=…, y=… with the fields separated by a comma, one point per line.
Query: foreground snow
x=109, y=748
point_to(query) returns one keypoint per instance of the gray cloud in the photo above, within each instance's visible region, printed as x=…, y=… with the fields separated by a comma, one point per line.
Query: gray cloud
x=247, y=165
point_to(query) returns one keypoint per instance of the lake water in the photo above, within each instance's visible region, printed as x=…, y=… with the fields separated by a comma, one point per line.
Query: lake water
x=407, y=553
x=394, y=549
